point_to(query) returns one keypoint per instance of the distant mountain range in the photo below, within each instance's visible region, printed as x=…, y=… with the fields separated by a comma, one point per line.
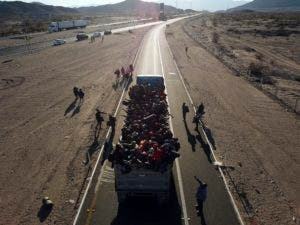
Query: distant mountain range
x=34, y=10
x=128, y=7
x=270, y=5
x=19, y=9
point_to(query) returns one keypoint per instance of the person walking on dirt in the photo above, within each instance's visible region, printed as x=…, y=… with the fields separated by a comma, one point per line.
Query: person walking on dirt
x=99, y=119
x=201, y=196
x=117, y=73
x=111, y=122
x=81, y=95
x=186, y=50
x=131, y=69
x=196, y=121
x=123, y=71
x=200, y=109
x=75, y=91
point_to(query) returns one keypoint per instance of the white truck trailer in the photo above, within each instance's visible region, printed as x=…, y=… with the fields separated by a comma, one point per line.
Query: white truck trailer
x=65, y=25
x=144, y=181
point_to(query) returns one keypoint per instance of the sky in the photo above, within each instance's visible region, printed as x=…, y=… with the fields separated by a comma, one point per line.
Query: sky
x=183, y=4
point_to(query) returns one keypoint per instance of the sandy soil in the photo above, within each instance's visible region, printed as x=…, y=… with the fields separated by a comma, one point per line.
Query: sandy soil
x=251, y=132
x=262, y=47
x=44, y=133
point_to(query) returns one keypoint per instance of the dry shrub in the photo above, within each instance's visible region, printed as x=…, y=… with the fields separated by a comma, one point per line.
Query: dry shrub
x=215, y=37
x=256, y=69
x=268, y=80
x=259, y=56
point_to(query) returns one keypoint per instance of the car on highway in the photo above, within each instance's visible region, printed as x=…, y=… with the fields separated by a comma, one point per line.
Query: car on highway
x=107, y=32
x=58, y=42
x=82, y=36
x=97, y=34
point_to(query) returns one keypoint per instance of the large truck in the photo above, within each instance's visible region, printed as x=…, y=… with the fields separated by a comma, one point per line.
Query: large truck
x=65, y=25
x=143, y=164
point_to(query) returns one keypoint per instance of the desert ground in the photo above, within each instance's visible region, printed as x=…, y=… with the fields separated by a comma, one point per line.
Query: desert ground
x=45, y=133
x=262, y=47
x=254, y=135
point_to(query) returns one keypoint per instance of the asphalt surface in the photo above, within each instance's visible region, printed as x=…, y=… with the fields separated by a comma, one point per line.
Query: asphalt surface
x=101, y=205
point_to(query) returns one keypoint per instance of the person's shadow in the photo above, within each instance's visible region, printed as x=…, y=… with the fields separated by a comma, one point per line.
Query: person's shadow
x=70, y=107
x=201, y=215
x=91, y=150
x=77, y=109
x=210, y=137
x=44, y=212
x=191, y=137
x=204, y=145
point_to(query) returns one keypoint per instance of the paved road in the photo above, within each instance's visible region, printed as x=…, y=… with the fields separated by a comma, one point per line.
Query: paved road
x=102, y=207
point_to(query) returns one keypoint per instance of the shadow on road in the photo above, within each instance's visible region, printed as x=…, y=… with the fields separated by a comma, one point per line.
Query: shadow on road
x=76, y=110
x=91, y=150
x=144, y=211
x=210, y=137
x=70, y=107
x=191, y=137
x=108, y=147
x=204, y=145
x=44, y=212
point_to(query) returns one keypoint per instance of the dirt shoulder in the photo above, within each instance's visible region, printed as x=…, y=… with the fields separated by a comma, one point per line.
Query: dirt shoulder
x=251, y=132
x=262, y=47
x=45, y=134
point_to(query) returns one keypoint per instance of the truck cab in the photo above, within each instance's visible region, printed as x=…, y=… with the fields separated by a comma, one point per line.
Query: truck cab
x=153, y=80
x=53, y=27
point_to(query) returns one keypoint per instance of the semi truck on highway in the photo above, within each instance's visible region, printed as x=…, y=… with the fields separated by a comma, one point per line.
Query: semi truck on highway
x=143, y=158
x=65, y=25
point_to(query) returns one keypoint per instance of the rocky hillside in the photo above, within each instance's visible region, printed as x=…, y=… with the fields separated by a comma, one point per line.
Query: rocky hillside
x=270, y=5
x=20, y=9
x=128, y=7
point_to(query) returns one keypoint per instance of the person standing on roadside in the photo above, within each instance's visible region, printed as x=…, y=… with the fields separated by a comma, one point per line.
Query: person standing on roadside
x=81, y=95
x=99, y=119
x=76, y=93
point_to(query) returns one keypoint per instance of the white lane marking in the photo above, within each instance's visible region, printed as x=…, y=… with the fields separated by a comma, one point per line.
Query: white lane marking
x=180, y=183
x=210, y=145
x=101, y=150
x=154, y=52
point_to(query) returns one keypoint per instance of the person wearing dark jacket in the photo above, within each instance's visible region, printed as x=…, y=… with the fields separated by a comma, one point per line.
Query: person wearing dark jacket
x=75, y=91
x=81, y=94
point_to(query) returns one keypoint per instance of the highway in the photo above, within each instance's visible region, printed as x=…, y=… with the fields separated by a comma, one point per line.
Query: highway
x=43, y=44
x=101, y=206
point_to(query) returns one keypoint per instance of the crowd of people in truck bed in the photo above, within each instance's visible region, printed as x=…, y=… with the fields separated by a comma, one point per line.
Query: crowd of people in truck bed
x=147, y=141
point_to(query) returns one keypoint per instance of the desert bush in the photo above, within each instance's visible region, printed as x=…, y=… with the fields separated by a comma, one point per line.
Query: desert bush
x=259, y=56
x=268, y=80
x=215, y=37
x=214, y=22
x=256, y=69
x=248, y=49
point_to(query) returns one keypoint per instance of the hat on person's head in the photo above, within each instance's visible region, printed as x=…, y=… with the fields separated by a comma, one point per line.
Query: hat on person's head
x=204, y=185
